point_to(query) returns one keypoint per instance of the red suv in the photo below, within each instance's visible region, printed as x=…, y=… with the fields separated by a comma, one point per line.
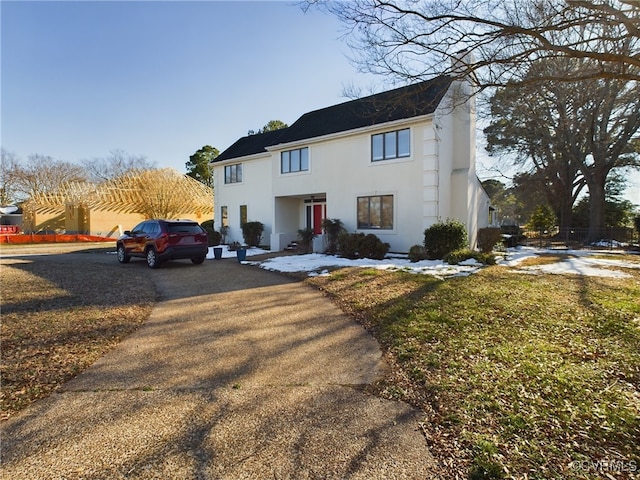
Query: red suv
x=160, y=240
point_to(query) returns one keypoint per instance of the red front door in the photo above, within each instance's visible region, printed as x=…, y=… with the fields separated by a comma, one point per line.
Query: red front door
x=318, y=216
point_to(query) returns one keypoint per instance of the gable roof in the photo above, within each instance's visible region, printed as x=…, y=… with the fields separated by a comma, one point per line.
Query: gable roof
x=250, y=145
x=404, y=102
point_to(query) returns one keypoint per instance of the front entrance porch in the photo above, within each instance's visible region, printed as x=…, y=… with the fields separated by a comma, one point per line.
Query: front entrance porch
x=293, y=213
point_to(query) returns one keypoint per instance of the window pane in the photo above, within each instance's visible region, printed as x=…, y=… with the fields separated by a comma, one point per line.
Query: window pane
x=363, y=212
x=304, y=159
x=375, y=210
x=239, y=173
x=234, y=176
x=404, y=143
x=295, y=160
x=225, y=216
x=227, y=175
x=390, y=145
x=243, y=214
x=284, y=164
x=376, y=148
x=387, y=212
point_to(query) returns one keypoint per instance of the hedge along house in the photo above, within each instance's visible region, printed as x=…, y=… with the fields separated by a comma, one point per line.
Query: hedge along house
x=391, y=164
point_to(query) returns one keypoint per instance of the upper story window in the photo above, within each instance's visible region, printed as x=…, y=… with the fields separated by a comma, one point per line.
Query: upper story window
x=294, y=160
x=233, y=173
x=385, y=146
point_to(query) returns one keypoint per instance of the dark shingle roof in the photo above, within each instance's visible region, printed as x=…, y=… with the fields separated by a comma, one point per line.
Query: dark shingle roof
x=250, y=145
x=405, y=102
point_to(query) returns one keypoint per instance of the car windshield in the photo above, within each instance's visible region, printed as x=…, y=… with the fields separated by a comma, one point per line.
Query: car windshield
x=192, y=228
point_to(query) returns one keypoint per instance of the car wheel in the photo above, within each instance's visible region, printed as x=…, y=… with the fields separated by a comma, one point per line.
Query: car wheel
x=198, y=260
x=152, y=258
x=121, y=253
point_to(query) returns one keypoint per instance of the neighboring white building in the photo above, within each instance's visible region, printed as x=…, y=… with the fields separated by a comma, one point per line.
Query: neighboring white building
x=390, y=164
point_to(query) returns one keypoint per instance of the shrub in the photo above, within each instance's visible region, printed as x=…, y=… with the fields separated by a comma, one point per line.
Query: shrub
x=543, y=219
x=457, y=256
x=488, y=238
x=442, y=238
x=359, y=245
x=252, y=233
x=305, y=240
x=372, y=247
x=347, y=244
x=332, y=227
x=213, y=237
x=417, y=253
x=207, y=225
x=486, y=258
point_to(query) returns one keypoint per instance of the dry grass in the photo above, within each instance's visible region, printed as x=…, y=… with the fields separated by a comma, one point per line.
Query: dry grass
x=521, y=376
x=58, y=320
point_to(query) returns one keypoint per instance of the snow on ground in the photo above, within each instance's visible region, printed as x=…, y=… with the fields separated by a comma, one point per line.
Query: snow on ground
x=578, y=262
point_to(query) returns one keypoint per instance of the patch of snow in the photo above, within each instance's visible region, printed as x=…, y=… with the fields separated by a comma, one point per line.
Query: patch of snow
x=315, y=262
x=579, y=262
x=577, y=266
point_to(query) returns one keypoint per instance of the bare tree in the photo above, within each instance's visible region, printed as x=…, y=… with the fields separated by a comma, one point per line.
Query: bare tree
x=417, y=40
x=41, y=174
x=7, y=179
x=573, y=134
x=116, y=164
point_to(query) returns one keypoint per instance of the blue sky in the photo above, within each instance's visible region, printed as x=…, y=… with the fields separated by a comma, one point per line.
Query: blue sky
x=163, y=78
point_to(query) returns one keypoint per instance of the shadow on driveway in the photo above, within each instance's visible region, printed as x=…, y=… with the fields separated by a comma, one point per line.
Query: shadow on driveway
x=238, y=373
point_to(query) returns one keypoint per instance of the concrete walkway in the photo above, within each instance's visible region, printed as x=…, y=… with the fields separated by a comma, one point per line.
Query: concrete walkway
x=239, y=373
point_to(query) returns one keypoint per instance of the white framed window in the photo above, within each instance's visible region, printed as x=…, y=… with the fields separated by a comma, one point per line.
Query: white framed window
x=389, y=145
x=375, y=212
x=244, y=216
x=293, y=161
x=233, y=173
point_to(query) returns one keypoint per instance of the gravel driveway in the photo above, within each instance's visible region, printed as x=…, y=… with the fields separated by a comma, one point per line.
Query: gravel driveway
x=239, y=373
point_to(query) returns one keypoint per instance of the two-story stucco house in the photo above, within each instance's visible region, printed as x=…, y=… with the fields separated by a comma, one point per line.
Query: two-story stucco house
x=391, y=164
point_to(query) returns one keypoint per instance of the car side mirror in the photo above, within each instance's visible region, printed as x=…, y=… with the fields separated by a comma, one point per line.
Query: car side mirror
x=127, y=232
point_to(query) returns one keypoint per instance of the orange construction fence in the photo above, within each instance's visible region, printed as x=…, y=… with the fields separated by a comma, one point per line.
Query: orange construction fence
x=51, y=238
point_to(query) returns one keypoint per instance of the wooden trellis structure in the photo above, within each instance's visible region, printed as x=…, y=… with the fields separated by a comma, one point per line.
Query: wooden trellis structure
x=153, y=193
x=159, y=193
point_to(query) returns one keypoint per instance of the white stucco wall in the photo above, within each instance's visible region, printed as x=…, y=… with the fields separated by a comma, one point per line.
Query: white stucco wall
x=340, y=168
x=437, y=182
x=254, y=191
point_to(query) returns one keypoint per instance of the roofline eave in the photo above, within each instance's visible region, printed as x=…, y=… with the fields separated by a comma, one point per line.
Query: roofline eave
x=253, y=156
x=348, y=133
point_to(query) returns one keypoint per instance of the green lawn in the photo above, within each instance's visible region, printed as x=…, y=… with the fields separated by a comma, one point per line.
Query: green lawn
x=523, y=376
